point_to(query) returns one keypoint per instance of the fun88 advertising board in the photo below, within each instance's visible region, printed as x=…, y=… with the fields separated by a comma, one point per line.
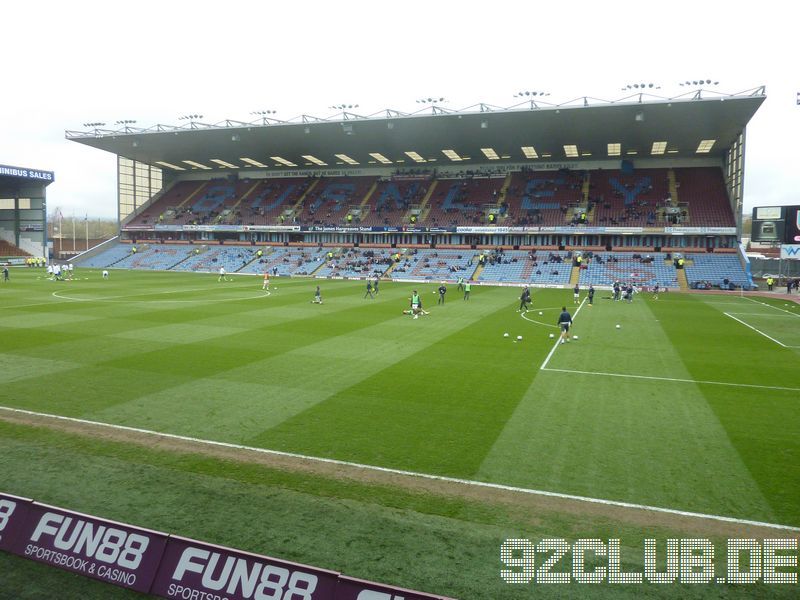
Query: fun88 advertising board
x=192, y=570
x=112, y=552
x=13, y=512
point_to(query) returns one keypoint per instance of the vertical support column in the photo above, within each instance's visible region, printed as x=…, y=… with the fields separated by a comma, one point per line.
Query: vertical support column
x=16, y=220
x=734, y=179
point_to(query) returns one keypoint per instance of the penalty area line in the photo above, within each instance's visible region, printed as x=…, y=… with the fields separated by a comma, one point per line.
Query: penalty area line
x=754, y=329
x=788, y=312
x=467, y=482
x=675, y=379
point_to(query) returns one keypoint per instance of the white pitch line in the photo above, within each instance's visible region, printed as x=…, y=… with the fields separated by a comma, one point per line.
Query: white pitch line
x=469, y=482
x=537, y=322
x=788, y=312
x=711, y=302
x=558, y=340
x=676, y=379
x=767, y=315
x=120, y=299
x=754, y=329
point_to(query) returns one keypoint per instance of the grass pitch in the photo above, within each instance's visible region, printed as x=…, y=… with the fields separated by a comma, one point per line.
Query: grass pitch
x=689, y=405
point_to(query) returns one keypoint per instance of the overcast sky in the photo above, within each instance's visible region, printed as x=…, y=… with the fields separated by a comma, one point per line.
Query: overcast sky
x=67, y=63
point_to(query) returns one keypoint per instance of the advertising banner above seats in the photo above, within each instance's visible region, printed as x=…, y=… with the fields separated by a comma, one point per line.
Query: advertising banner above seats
x=482, y=230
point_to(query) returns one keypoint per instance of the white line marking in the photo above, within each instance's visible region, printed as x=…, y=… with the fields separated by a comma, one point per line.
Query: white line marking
x=676, y=379
x=710, y=301
x=558, y=340
x=60, y=296
x=537, y=322
x=788, y=312
x=484, y=484
x=763, y=314
x=754, y=329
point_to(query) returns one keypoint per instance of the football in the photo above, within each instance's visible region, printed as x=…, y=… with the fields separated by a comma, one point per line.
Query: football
x=519, y=338
x=618, y=326
x=505, y=335
x=552, y=336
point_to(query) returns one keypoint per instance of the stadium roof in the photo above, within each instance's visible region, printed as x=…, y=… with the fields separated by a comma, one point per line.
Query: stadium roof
x=586, y=129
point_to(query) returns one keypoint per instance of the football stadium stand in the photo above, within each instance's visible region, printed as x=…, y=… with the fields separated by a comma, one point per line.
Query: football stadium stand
x=460, y=201
x=638, y=269
x=537, y=267
x=110, y=255
x=543, y=267
x=357, y=262
x=543, y=198
x=570, y=200
x=157, y=258
x=9, y=249
x=288, y=261
x=231, y=258
x=702, y=191
x=391, y=201
x=632, y=200
x=427, y=265
x=328, y=203
x=715, y=269
x=642, y=198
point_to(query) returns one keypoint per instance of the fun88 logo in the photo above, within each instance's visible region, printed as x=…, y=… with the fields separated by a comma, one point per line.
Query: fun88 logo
x=91, y=540
x=191, y=570
x=7, y=508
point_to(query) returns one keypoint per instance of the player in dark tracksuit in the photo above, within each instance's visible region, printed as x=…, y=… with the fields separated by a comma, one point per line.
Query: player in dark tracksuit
x=564, y=321
x=442, y=292
x=524, y=300
x=591, y=294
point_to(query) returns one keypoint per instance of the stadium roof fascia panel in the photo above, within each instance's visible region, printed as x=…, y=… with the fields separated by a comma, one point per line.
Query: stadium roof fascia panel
x=580, y=102
x=683, y=120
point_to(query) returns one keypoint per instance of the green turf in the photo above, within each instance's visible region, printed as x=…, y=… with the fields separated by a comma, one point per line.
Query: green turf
x=356, y=380
x=422, y=541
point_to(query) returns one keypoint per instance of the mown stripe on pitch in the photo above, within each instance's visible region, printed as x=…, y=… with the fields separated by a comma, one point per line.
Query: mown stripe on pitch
x=409, y=416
